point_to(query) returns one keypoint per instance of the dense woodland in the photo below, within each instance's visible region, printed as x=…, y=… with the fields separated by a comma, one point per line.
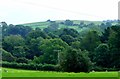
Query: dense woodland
x=61, y=49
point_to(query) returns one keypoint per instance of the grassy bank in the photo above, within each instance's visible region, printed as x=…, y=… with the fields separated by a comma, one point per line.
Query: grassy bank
x=7, y=72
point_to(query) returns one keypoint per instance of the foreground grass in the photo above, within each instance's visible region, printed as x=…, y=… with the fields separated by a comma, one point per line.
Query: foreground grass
x=30, y=73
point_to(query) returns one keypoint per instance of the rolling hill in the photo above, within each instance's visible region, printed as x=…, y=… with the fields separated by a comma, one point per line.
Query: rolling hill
x=79, y=25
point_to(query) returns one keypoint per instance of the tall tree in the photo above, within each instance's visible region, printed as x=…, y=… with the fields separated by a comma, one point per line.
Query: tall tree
x=90, y=41
x=69, y=31
x=13, y=43
x=68, y=39
x=52, y=27
x=114, y=43
x=105, y=35
x=74, y=60
x=51, y=49
x=37, y=33
x=68, y=22
x=18, y=29
x=32, y=48
x=102, y=55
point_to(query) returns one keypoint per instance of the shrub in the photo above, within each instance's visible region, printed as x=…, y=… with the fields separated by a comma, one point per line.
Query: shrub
x=22, y=60
x=7, y=56
x=31, y=66
x=49, y=67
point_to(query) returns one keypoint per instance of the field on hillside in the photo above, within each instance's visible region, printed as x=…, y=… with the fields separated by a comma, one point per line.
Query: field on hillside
x=45, y=24
x=8, y=72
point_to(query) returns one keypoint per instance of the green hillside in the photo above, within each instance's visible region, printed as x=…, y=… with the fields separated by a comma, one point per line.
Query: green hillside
x=79, y=25
x=45, y=24
x=37, y=24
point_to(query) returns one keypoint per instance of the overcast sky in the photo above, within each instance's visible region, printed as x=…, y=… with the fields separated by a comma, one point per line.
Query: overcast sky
x=26, y=11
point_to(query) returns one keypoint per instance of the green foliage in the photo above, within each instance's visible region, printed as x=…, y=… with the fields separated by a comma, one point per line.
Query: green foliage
x=76, y=44
x=6, y=56
x=52, y=35
x=22, y=60
x=37, y=33
x=32, y=47
x=67, y=38
x=17, y=30
x=18, y=51
x=75, y=61
x=105, y=35
x=52, y=27
x=38, y=60
x=51, y=48
x=11, y=42
x=4, y=28
x=69, y=31
x=98, y=68
x=30, y=66
x=49, y=67
x=102, y=55
x=61, y=46
x=114, y=43
x=90, y=41
x=68, y=22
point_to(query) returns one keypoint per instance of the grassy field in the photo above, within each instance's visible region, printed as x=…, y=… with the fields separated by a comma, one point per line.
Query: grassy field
x=42, y=25
x=29, y=73
x=45, y=24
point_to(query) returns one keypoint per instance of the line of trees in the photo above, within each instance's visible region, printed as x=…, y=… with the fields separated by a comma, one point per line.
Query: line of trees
x=65, y=49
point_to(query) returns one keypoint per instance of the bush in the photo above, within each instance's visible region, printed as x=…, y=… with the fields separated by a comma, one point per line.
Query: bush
x=22, y=60
x=104, y=69
x=7, y=56
x=46, y=67
x=68, y=22
x=31, y=66
x=49, y=67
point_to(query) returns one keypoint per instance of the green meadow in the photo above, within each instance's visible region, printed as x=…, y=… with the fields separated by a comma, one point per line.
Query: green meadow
x=8, y=72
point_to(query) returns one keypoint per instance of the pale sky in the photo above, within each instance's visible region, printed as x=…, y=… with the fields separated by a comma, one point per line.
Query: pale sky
x=26, y=11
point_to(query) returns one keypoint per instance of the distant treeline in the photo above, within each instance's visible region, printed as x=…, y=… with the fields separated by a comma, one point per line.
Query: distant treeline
x=61, y=49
